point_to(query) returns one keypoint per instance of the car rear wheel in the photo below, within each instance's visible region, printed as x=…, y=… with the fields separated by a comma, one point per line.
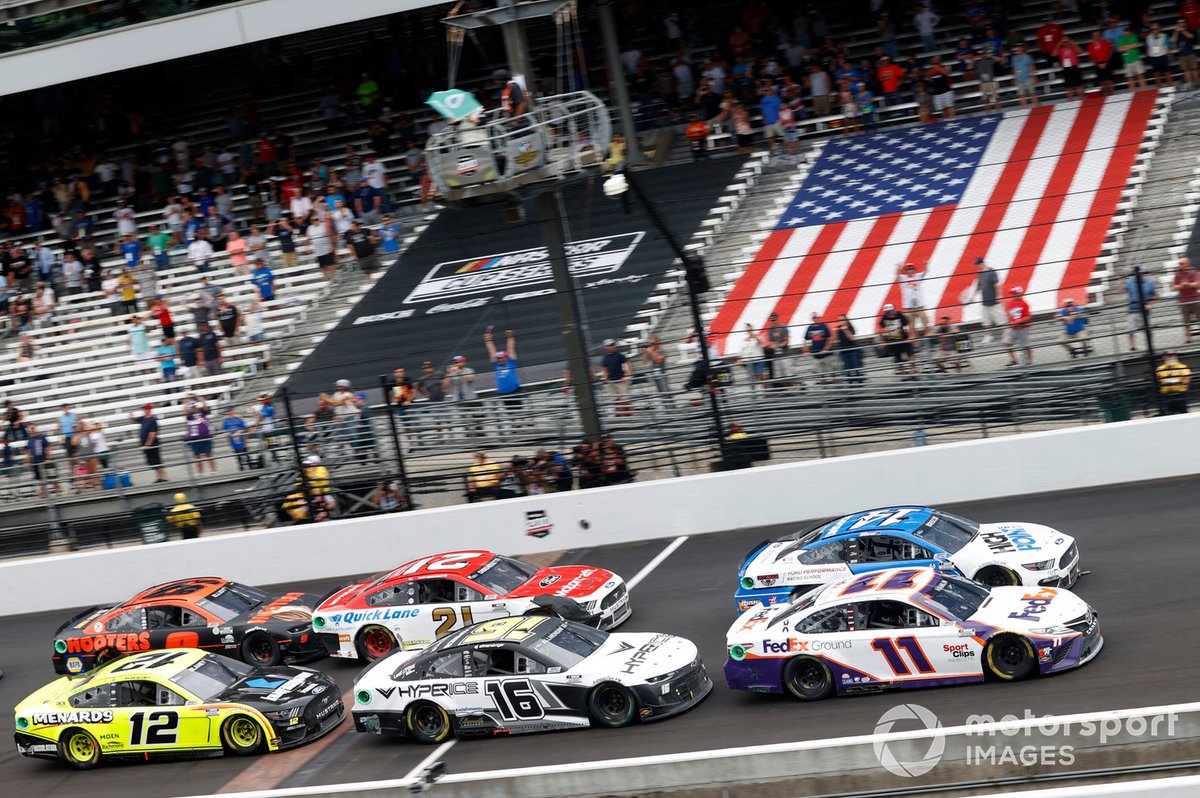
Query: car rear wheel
x=612, y=705
x=259, y=649
x=427, y=723
x=242, y=735
x=375, y=642
x=995, y=576
x=807, y=679
x=1010, y=657
x=79, y=749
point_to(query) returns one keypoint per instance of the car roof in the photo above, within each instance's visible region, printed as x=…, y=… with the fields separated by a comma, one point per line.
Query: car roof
x=894, y=584
x=180, y=591
x=107, y=673
x=900, y=519
x=450, y=563
x=518, y=629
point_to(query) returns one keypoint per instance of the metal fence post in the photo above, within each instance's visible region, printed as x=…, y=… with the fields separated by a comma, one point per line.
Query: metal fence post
x=286, y=395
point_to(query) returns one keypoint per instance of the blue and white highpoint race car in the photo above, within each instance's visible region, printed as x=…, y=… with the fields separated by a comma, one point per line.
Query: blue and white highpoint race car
x=994, y=554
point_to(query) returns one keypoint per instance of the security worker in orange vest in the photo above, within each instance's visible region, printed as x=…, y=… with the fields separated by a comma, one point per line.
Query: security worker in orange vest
x=185, y=517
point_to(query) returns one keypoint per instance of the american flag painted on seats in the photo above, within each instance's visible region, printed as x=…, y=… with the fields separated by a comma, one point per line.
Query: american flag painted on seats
x=1033, y=192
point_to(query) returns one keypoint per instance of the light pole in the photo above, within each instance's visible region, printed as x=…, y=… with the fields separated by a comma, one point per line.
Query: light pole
x=697, y=283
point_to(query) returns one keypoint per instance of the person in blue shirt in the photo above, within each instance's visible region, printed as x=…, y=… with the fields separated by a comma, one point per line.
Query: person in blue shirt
x=235, y=427
x=131, y=250
x=769, y=104
x=264, y=280
x=191, y=227
x=508, y=381
x=1135, y=301
x=1074, y=321
x=389, y=235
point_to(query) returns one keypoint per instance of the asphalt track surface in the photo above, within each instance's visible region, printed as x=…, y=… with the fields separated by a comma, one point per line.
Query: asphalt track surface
x=1138, y=541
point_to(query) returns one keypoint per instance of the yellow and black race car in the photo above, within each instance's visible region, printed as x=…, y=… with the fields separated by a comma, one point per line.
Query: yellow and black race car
x=176, y=704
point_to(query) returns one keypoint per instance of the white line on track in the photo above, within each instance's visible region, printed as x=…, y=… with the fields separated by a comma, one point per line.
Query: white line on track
x=657, y=561
x=437, y=754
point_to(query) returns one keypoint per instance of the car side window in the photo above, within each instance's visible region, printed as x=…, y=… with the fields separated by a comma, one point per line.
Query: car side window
x=162, y=617
x=447, y=666
x=823, y=554
x=392, y=595
x=128, y=621
x=434, y=591
x=466, y=593
x=825, y=621
x=893, y=615
x=93, y=697
x=191, y=618
x=166, y=697
x=137, y=693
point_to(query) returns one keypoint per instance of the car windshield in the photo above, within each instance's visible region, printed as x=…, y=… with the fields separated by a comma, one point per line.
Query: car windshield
x=802, y=539
x=211, y=676
x=233, y=600
x=568, y=644
x=502, y=575
x=799, y=605
x=959, y=597
x=946, y=531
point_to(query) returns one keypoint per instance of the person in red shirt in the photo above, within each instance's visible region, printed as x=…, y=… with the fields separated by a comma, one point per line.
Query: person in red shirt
x=1186, y=283
x=697, y=136
x=1019, y=322
x=1069, y=57
x=1048, y=36
x=266, y=152
x=890, y=77
x=1191, y=12
x=162, y=314
x=1100, y=50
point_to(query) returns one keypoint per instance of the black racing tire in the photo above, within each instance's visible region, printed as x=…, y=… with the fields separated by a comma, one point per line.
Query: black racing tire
x=997, y=576
x=427, y=722
x=259, y=648
x=78, y=749
x=374, y=642
x=241, y=735
x=1010, y=657
x=807, y=679
x=612, y=705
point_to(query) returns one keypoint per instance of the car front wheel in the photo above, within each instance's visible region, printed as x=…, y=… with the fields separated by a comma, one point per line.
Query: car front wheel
x=611, y=705
x=1010, y=657
x=242, y=735
x=995, y=576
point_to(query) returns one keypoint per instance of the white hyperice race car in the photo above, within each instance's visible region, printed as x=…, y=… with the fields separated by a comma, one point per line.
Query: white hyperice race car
x=996, y=554
x=908, y=627
x=526, y=674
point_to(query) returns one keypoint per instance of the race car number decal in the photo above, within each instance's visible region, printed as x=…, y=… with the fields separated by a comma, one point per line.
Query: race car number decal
x=447, y=618
x=515, y=699
x=155, y=728
x=452, y=562
x=900, y=580
x=513, y=628
x=890, y=649
x=156, y=660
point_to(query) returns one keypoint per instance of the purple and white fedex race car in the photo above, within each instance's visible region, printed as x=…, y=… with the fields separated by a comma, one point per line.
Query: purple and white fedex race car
x=908, y=627
x=995, y=554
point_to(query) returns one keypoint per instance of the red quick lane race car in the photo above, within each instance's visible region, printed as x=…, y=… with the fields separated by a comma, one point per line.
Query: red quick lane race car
x=208, y=613
x=410, y=607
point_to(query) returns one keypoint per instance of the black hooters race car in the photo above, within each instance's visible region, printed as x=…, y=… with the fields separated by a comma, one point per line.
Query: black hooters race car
x=208, y=613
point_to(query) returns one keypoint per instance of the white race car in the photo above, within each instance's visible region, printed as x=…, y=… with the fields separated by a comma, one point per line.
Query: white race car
x=908, y=627
x=993, y=554
x=527, y=674
x=413, y=605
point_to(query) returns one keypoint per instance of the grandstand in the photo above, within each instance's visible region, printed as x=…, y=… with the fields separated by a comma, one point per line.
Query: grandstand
x=738, y=222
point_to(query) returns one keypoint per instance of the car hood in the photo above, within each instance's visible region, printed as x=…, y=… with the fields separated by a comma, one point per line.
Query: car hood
x=753, y=622
x=277, y=686
x=568, y=581
x=641, y=655
x=1028, y=608
x=290, y=608
x=1016, y=542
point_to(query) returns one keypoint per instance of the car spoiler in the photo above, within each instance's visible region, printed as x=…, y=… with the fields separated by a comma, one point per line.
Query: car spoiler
x=75, y=620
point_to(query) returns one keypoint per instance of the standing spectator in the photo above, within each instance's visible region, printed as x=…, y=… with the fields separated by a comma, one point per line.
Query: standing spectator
x=149, y=443
x=986, y=283
x=431, y=386
x=234, y=427
x=1025, y=76
x=1049, y=35
x=210, y=351
x=504, y=363
x=139, y=339
x=236, y=247
x=72, y=272
x=319, y=239
x=1183, y=45
x=848, y=103
x=1100, y=51
x=769, y=104
x=162, y=314
x=99, y=442
x=820, y=88
x=189, y=354
x=1173, y=378
x=165, y=353
x=368, y=203
x=285, y=234
x=130, y=249
x=819, y=343
x=941, y=87
x=912, y=298
x=945, y=337
x=362, y=242
x=742, y=131
x=1158, y=53
x=264, y=281
x=655, y=359
x=848, y=349
x=894, y=333
x=1130, y=48
x=198, y=435
x=68, y=425
x=460, y=389
x=1190, y=11
x=1074, y=322
x=254, y=330
x=926, y=20
x=39, y=461
x=264, y=419
x=229, y=319
x=1069, y=58
x=185, y=517
x=750, y=356
x=1186, y=283
x=697, y=136
x=616, y=372
x=1019, y=321
x=389, y=235
x=779, y=341
x=1135, y=301
x=127, y=285
x=403, y=395
x=989, y=90
x=200, y=252
x=890, y=76
x=111, y=287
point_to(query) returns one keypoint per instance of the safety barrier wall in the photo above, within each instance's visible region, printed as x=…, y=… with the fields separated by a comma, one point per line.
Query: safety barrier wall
x=179, y=36
x=955, y=472
x=982, y=750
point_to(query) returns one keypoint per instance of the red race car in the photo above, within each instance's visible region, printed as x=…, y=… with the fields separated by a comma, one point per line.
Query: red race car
x=410, y=607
